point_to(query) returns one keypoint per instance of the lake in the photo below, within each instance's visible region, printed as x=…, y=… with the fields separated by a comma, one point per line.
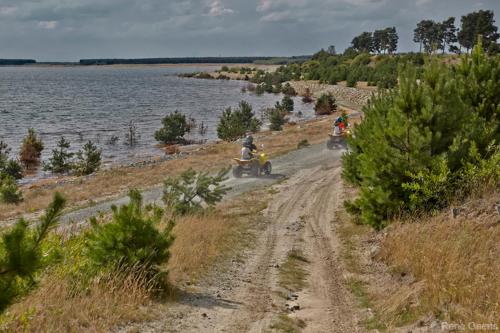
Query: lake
x=96, y=103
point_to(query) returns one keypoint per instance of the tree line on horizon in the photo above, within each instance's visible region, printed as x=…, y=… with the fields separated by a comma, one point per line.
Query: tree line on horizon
x=433, y=36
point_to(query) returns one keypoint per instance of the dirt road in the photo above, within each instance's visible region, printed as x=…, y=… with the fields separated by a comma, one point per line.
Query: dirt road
x=253, y=295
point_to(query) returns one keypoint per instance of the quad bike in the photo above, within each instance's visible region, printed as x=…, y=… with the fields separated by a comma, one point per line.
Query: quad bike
x=337, y=140
x=256, y=166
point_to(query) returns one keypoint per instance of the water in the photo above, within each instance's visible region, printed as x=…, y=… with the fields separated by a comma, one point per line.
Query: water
x=96, y=103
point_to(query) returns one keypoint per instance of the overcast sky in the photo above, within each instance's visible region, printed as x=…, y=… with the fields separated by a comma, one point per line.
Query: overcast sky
x=68, y=30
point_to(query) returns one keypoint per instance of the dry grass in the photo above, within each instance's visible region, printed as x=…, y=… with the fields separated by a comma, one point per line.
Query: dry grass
x=202, y=241
x=455, y=261
x=117, y=181
x=56, y=307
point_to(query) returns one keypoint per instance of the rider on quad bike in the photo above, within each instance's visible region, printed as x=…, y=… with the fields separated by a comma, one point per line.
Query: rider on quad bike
x=251, y=162
x=340, y=130
x=249, y=148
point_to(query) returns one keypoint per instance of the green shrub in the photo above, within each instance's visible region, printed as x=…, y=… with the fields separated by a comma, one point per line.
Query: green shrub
x=351, y=81
x=287, y=104
x=60, y=161
x=131, y=239
x=325, y=105
x=9, y=192
x=88, y=160
x=21, y=256
x=8, y=166
x=31, y=148
x=175, y=126
x=189, y=192
x=233, y=124
x=277, y=118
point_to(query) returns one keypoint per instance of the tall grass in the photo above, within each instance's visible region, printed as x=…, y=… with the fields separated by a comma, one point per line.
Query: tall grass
x=455, y=260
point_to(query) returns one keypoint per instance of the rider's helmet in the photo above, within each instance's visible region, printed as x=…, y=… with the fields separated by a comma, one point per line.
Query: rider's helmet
x=248, y=142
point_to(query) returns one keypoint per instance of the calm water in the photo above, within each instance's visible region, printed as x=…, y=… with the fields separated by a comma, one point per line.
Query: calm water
x=96, y=103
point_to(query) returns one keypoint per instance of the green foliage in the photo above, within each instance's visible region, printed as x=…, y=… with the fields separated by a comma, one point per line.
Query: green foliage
x=325, y=105
x=9, y=192
x=233, y=124
x=287, y=104
x=175, y=126
x=88, y=160
x=31, y=148
x=412, y=149
x=8, y=166
x=189, y=192
x=60, y=162
x=21, y=254
x=480, y=23
x=277, y=118
x=131, y=239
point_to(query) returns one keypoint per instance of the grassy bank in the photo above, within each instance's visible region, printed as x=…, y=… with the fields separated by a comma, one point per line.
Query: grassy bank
x=62, y=304
x=429, y=271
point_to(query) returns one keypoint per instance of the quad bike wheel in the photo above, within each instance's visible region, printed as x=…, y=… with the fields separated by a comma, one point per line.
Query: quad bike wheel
x=237, y=171
x=267, y=169
x=256, y=170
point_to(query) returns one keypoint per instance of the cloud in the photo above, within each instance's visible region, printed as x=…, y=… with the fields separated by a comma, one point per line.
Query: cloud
x=49, y=25
x=216, y=8
x=161, y=28
x=7, y=10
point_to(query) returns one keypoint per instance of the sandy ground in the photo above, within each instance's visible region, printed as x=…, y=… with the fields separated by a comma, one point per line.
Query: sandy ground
x=247, y=296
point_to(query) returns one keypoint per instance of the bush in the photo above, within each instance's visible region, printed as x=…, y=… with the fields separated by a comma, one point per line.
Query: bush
x=308, y=97
x=175, y=126
x=190, y=191
x=351, y=81
x=277, y=118
x=31, y=148
x=325, y=105
x=9, y=167
x=9, y=192
x=60, y=161
x=233, y=124
x=21, y=256
x=88, y=160
x=288, y=90
x=131, y=239
x=287, y=104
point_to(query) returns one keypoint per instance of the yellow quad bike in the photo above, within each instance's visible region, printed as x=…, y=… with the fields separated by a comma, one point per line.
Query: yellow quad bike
x=255, y=167
x=337, y=140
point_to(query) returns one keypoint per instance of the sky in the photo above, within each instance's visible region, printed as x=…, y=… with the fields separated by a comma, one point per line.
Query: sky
x=69, y=30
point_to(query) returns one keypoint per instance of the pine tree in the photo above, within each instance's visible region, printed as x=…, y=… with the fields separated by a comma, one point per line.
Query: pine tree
x=175, y=126
x=132, y=239
x=31, y=149
x=191, y=190
x=20, y=253
x=416, y=140
x=88, y=159
x=60, y=162
x=234, y=124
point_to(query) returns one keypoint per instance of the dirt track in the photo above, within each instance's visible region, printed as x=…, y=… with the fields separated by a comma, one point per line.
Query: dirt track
x=248, y=297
